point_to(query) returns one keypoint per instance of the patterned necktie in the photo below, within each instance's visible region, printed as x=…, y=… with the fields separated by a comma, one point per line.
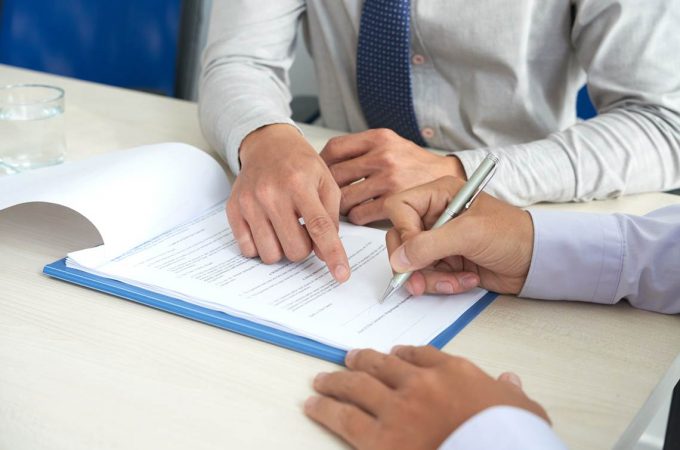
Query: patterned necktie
x=384, y=68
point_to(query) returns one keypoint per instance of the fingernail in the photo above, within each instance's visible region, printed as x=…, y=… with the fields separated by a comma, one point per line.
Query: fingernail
x=396, y=349
x=469, y=281
x=319, y=377
x=512, y=378
x=341, y=272
x=311, y=402
x=247, y=248
x=402, y=259
x=350, y=355
x=409, y=289
x=444, y=287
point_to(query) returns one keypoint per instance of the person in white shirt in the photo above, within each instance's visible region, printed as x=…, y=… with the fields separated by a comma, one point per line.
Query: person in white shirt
x=460, y=77
x=421, y=398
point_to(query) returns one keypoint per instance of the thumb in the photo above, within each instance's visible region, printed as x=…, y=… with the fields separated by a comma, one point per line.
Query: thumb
x=512, y=379
x=424, y=248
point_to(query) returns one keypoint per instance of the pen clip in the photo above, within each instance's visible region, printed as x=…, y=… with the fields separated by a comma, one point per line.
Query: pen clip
x=481, y=188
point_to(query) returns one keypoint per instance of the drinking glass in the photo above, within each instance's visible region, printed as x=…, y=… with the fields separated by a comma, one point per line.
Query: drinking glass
x=31, y=127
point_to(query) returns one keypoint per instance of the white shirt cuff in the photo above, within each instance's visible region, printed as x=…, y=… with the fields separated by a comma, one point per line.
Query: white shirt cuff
x=503, y=428
x=576, y=256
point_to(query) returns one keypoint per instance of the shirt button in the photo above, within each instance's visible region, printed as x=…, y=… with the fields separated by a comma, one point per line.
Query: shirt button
x=427, y=133
x=418, y=59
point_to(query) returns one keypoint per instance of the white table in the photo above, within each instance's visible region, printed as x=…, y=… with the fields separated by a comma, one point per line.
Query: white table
x=83, y=370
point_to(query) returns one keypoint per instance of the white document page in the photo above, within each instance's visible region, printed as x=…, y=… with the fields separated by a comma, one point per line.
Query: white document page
x=130, y=196
x=200, y=262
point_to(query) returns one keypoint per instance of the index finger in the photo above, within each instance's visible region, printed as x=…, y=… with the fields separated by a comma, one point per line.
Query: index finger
x=346, y=147
x=424, y=356
x=324, y=233
x=416, y=209
x=389, y=369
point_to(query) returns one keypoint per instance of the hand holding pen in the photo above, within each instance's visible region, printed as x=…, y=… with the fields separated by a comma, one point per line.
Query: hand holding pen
x=462, y=253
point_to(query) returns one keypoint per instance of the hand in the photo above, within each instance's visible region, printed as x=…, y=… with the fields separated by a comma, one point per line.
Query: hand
x=412, y=399
x=282, y=179
x=490, y=244
x=386, y=164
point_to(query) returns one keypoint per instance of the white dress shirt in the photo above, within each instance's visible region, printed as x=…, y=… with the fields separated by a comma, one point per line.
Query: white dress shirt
x=604, y=258
x=600, y=258
x=486, y=75
x=503, y=428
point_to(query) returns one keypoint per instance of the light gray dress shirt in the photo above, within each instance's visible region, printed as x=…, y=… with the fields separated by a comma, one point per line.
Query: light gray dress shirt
x=488, y=74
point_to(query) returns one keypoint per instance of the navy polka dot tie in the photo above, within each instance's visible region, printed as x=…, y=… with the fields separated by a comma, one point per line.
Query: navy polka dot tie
x=384, y=67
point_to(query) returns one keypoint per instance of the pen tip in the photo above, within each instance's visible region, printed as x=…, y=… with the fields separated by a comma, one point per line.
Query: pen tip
x=388, y=292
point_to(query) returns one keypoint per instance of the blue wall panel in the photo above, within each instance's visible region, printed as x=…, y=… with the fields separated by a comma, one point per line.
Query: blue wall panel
x=122, y=42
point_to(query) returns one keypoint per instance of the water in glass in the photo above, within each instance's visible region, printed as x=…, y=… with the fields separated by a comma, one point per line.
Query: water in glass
x=31, y=127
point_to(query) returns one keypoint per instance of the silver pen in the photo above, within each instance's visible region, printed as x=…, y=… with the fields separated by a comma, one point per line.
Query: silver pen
x=459, y=204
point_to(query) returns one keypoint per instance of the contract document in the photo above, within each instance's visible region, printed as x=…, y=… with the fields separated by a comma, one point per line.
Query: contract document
x=196, y=259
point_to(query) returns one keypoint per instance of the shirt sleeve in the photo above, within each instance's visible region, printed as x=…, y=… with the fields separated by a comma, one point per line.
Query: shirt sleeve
x=628, y=49
x=504, y=428
x=244, y=83
x=605, y=258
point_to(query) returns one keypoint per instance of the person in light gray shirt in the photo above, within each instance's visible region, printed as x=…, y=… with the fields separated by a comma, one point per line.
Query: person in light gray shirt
x=469, y=78
x=421, y=398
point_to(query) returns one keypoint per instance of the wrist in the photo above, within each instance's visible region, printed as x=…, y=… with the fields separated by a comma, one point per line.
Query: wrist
x=526, y=244
x=264, y=137
x=456, y=167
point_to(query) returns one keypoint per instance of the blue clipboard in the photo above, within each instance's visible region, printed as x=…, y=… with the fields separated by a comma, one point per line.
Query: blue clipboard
x=59, y=270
